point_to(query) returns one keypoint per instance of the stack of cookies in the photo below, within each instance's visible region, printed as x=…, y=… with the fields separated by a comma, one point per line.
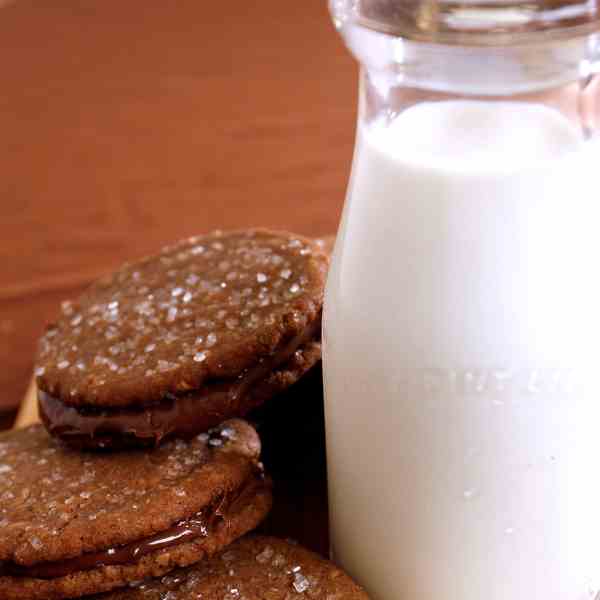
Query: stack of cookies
x=146, y=478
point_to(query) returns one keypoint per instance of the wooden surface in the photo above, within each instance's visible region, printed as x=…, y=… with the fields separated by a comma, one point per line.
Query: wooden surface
x=28, y=410
x=125, y=125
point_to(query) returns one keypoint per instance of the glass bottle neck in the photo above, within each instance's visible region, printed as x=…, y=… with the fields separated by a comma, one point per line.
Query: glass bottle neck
x=413, y=51
x=394, y=61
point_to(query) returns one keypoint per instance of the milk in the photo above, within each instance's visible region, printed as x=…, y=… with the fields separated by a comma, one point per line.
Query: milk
x=460, y=355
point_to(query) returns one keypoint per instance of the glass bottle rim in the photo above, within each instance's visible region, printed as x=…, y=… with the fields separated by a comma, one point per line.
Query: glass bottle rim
x=472, y=22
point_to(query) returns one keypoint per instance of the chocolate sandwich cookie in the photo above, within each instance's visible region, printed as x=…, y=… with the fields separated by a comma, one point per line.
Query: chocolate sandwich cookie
x=76, y=523
x=174, y=344
x=253, y=568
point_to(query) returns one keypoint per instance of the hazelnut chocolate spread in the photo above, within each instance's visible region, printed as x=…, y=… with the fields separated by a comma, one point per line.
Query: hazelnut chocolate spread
x=174, y=415
x=199, y=525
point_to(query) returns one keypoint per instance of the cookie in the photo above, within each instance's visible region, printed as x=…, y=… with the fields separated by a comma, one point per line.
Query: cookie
x=253, y=568
x=174, y=344
x=74, y=523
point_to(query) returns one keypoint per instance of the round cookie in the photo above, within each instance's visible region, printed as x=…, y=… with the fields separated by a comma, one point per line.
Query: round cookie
x=174, y=344
x=253, y=568
x=75, y=523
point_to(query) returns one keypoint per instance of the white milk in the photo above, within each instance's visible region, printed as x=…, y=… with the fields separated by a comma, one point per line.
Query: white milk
x=461, y=344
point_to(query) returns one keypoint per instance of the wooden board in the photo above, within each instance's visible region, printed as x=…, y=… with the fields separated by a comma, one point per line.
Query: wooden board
x=28, y=411
x=146, y=121
x=126, y=125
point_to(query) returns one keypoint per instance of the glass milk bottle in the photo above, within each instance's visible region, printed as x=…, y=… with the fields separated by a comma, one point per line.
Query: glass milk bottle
x=461, y=327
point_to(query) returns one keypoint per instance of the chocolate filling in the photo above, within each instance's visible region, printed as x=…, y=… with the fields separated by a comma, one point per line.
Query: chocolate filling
x=177, y=415
x=200, y=525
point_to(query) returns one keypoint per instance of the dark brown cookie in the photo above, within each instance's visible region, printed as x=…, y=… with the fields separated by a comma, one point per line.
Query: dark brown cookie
x=75, y=523
x=253, y=568
x=176, y=343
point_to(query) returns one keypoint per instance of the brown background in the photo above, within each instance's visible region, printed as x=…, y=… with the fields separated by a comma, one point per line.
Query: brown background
x=124, y=125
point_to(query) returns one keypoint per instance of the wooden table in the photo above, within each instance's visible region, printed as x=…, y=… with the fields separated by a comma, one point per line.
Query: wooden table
x=125, y=125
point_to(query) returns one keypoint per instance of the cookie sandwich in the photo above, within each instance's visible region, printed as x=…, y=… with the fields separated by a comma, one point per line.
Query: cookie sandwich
x=77, y=523
x=174, y=344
